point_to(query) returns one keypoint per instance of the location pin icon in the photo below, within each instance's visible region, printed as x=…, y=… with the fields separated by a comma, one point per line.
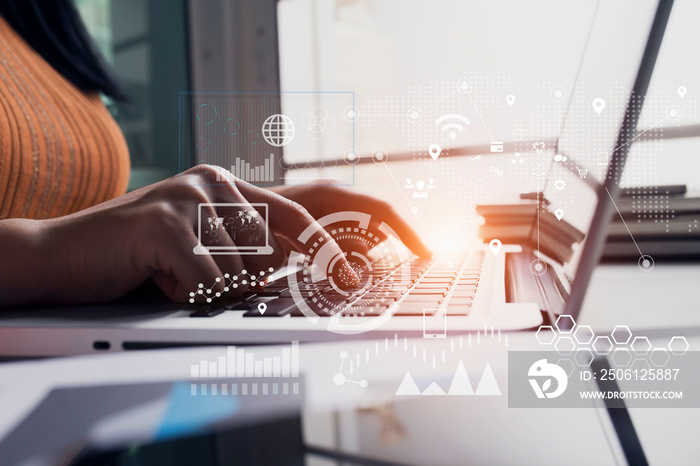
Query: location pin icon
x=598, y=105
x=559, y=214
x=510, y=99
x=434, y=151
x=681, y=91
x=262, y=307
x=495, y=246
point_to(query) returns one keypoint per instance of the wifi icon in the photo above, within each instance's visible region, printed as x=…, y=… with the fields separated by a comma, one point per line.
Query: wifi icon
x=453, y=123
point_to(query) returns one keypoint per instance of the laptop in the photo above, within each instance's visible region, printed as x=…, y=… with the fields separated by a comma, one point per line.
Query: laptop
x=517, y=287
x=243, y=223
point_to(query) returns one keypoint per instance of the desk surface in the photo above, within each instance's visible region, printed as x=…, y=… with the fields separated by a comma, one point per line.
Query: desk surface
x=374, y=421
x=667, y=297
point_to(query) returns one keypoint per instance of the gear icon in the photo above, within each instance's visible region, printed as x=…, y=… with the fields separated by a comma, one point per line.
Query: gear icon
x=559, y=184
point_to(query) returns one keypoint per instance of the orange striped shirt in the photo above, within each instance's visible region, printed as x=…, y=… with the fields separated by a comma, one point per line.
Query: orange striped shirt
x=60, y=149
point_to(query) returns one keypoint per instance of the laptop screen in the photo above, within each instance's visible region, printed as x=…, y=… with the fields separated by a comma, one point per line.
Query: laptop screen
x=540, y=89
x=594, y=111
x=245, y=224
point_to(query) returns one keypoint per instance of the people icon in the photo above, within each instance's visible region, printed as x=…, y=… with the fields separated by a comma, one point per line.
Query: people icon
x=431, y=183
x=419, y=193
x=409, y=184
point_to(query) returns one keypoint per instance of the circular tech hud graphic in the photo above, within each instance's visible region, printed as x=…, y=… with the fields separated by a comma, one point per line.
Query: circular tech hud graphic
x=317, y=293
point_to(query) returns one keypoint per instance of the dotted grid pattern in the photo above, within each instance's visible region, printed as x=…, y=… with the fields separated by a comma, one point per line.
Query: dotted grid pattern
x=487, y=92
x=589, y=136
x=437, y=98
x=534, y=153
x=649, y=203
x=641, y=169
x=578, y=345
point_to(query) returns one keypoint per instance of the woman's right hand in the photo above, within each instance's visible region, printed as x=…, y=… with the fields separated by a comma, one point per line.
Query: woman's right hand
x=104, y=252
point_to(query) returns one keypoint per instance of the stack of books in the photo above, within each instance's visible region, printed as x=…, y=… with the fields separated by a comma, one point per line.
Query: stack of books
x=664, y=221
x=517, y=223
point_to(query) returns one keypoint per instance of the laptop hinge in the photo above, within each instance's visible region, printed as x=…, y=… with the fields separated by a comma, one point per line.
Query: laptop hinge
x=524, y=286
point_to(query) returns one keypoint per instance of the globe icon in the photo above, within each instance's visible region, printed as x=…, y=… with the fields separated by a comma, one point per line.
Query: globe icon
x=278, y=130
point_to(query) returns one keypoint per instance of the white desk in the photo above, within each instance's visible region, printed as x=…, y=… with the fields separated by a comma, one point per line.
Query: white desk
x=422, y=430
x=666, y=297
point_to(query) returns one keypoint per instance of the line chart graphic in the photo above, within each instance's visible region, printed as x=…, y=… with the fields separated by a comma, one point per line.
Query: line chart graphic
x=431, y=358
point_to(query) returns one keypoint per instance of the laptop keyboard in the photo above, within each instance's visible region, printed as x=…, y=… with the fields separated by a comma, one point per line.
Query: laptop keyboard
x=434, y=284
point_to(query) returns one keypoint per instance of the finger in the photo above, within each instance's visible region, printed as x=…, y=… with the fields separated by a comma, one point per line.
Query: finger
x=289, y=220
x=240, y=226
x=285, y=245
x=383, y=212
x=183, y=275
x=350, y=245
x=214, y=231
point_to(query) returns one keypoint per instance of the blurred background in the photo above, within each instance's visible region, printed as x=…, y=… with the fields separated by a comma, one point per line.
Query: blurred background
x=393, y=55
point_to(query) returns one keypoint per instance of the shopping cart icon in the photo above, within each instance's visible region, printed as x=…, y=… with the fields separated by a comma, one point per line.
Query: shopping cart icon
x=582, y=172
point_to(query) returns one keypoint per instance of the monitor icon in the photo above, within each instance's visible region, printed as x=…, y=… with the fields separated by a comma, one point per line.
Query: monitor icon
x=233, y=228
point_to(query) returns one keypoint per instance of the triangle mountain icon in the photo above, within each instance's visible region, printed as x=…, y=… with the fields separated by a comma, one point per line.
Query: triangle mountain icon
x=408, y=386
x=433, y=389
x=488, y=384
x=460, y=383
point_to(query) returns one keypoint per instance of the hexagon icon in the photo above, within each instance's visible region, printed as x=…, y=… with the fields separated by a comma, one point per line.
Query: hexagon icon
x=565, y=323
x=565, y=345
x=641, y=345
x=584, y=334
x=621, y=357
x=567, y=365
x=678, y=346
x=659, y=357
x=621, y=334
x=583, y=357
x=640, y=363
x=545, y=335
x=602, y=345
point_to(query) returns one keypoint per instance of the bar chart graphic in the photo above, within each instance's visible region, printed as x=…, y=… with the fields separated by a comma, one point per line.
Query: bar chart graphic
x=271, y=375
x=243, y=170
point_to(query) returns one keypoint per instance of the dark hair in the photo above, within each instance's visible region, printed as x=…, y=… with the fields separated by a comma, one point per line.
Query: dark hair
x=55, y=30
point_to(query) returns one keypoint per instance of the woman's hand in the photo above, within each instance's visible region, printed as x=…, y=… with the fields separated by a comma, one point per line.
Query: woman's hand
x=104, y=252
x=321, y=200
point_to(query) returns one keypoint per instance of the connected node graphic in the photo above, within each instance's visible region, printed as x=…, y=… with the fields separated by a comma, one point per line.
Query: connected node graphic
x=340, y=378
x=380, y=156
x=414, y=210
x=464, y=86
x=414, y=115
x=538, y=267
x=673, y=113
x=351, y=156
x=558, y=94
x=231, y=282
